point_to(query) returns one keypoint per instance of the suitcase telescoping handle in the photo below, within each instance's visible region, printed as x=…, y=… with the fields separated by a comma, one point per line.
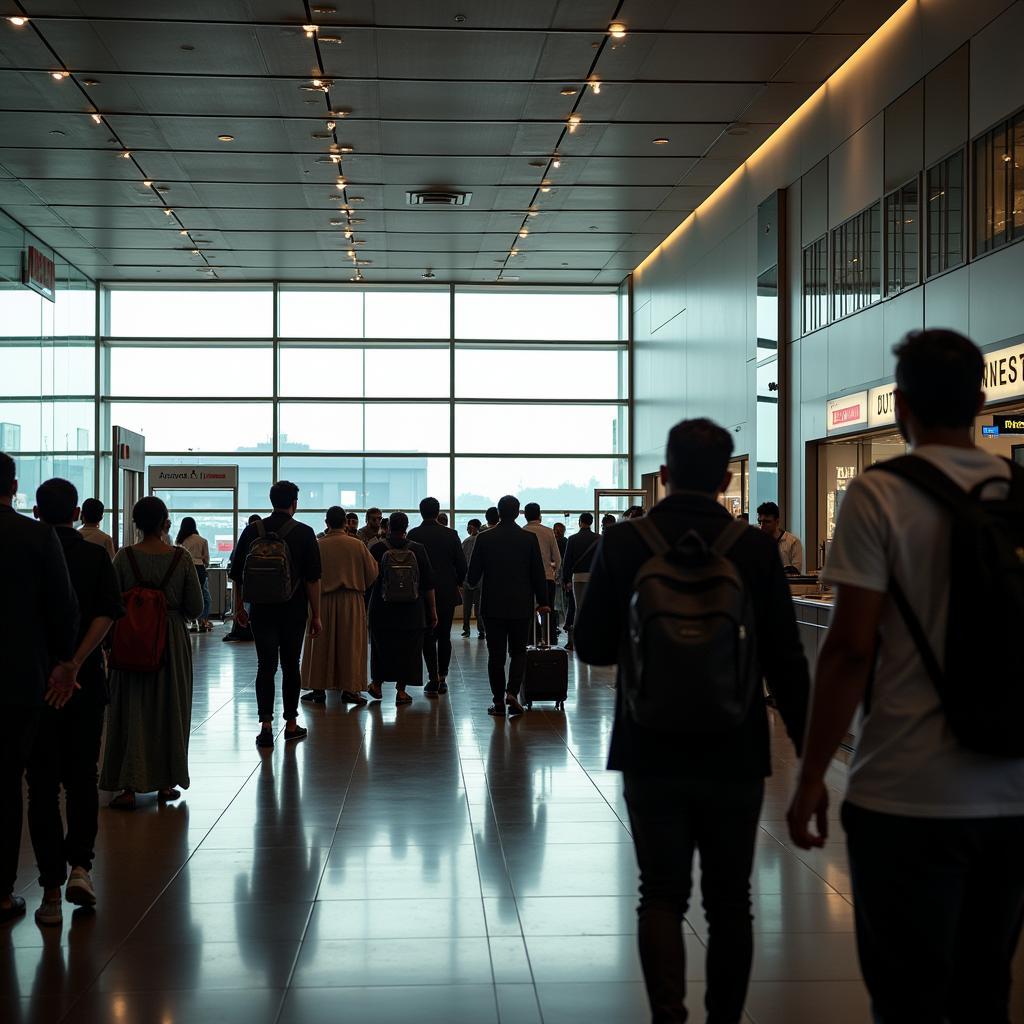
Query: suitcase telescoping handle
x=541, y=636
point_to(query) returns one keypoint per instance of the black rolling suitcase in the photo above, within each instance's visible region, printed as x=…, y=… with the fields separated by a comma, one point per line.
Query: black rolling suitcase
x=546, y=676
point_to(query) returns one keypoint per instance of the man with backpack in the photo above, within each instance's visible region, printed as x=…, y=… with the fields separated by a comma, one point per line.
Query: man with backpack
x=695, y=610
x=275, y=569
x=929, y=579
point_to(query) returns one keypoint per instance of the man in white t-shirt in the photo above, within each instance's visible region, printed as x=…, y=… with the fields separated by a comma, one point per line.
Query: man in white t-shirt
x=935, y=832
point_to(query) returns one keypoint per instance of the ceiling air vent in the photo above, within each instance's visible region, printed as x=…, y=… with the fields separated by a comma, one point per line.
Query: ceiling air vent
x=438, y=197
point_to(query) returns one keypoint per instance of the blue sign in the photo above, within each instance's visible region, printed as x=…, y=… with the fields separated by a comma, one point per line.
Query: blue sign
x=990, y=431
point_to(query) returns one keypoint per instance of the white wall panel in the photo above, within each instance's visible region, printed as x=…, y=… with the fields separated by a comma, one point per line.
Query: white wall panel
x=855, y=350
x=855, y=172
x=997, y=296
x=899, y=315
x=946, y=301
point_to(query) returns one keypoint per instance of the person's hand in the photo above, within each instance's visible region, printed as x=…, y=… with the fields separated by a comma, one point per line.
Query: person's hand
x=316, y=627
x=433, y=618
x=62, y=684
x=242, y=618
x=809, y=801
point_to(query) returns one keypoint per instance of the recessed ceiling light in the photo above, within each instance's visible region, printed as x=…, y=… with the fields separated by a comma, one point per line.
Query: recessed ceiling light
x=523, y=232
x=167, y=211
x=346, y=149
x=459, y=19
x=195, y=252
x=537, y=163
x=574, y=122
x=17, y=21
x=357, y=199
x=321, y=135
x=569, y=91
x=737, y=129
x=334, y=40
x=148, y=184
x=340, y=183
x=310, y=30
x=59, y=76
x=324, y=10
x=617, y=30
x=90, y=81
x=533, y=213
x=97, y=118
x=660, y=141
x=330, y=126
x=56, y=131
x=556, y=162
x=428, y=275
x=187, y=47
x=183, y=232
x=226, y=138
x=126, y=154
x=595, y=86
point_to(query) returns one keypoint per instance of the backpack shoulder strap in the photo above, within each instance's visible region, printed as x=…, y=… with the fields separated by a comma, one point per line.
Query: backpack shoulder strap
x=261, y=530
x=651, y=536
x=130, y=555
x=175, y=559
x=285, y=528
x=930, y=479
x=729, y=535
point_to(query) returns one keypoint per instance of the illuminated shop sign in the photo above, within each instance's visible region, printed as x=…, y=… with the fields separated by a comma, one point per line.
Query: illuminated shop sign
x=849, y=411
x=39, y=273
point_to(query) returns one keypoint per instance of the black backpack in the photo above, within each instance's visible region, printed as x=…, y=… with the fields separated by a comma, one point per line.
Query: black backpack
x=693, y=662
x=268, y=575
x=400, y=576
x=981, y=685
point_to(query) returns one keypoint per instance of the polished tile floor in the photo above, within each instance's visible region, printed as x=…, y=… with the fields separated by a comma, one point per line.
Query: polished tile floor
x=423, y=864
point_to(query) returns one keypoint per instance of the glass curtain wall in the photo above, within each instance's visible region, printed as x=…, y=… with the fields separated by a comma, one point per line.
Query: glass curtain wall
x=47, y=355
x=372, y=397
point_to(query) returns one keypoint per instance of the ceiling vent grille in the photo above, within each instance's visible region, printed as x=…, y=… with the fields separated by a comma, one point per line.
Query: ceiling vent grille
x=438, y=197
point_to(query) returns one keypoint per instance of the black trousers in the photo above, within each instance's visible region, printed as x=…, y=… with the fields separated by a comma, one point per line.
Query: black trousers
x=437, y=644
x=65, y=753
x=278, y=633
x=670, y=819
x=570, y=608
x=506, y=637
x=939, y=904
x=552, y=615
x=14, y=755
x=471, y=602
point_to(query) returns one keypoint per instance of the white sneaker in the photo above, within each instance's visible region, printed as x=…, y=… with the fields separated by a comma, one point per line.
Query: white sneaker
x=49, y=913
x=79, y=889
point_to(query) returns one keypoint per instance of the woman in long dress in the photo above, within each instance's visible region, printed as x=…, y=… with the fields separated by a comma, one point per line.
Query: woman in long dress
x=336, y=659
x=150, y=713
x=396, y=629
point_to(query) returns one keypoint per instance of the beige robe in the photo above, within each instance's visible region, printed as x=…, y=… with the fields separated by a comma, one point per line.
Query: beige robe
x=336, y=660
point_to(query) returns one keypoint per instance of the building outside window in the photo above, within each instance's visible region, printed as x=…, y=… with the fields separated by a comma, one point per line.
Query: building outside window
x=857, y=262
x=815, y=285
x=999, y=185
x=945, y=191
x=902, y=238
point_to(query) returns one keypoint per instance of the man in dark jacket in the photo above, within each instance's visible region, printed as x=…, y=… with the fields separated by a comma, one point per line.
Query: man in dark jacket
x=579, y=552
x=38, y=628
x=508, y=558
x=448, y=561
x=697, y=792
x=67, y=743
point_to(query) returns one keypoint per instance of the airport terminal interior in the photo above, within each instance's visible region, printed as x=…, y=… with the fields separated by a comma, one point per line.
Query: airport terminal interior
x=391, y=249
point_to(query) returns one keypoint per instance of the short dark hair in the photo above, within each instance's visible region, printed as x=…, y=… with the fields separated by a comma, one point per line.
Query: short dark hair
x=254, y=518
x=149, y=515
x=57, y=500
x=8, y=474
x=697, y=455
x=92, y=510
x=769, y=510
x=606, y=517
x=283, y=494
x=940, y=374
x=586, y=519
x=398, y=522
x=335, y=517
x=370, y=511
x=508, y=507
x=351, y=515
x=474, y=522
x=491, y=515
x=430, y=508
x=187, y=529
x=531, y=511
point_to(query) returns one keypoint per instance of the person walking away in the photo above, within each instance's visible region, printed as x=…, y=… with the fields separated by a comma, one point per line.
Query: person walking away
x=276, y=568
x=561, y=606
x=66, y=748
x=38, y=632
x=691, y=730
x=925, y=564
x=607, y=522
x=791, y=551
x=471, y=595
x=336, y=659
x=402, y=609
x=196, y=545
x=371, y=531
x=150, y=714
x=448, y=565
x=507, y=563
x=237, y=634
x=92, y=516
x=552, y=558
x=491, y=518
x=579, y=553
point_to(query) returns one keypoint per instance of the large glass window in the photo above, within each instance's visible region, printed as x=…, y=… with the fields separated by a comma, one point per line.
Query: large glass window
x=557, y=484
x=496, y=371
x=857, y=262
x=946, y=214
x=902, y=238
x=511, y=429
x=326, y=371
x=353, y=313
x=999, y=185
x=815, y=285
x=512, y=315
x=190, y=313
x=190, y=371
x=195, y=426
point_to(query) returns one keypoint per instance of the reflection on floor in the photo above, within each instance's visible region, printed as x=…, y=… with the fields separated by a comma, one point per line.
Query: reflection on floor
x=424, y=864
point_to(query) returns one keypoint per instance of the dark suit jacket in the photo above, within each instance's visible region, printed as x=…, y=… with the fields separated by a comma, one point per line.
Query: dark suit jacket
x=601, y=638
x=578, y=554
x=447, y=559
x=38, y=608
x=508, y=560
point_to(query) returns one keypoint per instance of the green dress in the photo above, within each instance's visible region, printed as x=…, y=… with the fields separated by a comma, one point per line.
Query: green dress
x=150, y=714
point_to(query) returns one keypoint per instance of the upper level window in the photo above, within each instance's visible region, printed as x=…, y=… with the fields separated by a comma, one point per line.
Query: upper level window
x=999, y=185
x=945, y=190
x=815, y=285
x=857, y=262
x=902, y=238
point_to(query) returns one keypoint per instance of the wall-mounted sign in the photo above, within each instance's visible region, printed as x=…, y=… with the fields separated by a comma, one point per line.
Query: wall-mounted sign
x=1013, y=424
x=881, y=406
x=38, y=273
x=164, y=478
x=1004, y=373
x=849, y=411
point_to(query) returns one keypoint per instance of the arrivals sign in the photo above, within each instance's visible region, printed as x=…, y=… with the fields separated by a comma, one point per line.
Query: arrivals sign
x=163, y=478
x=849, y=411
x=39, y=273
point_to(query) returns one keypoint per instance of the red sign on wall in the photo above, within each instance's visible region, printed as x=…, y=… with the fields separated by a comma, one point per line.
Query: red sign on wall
x=38, y=273
x=848, y=414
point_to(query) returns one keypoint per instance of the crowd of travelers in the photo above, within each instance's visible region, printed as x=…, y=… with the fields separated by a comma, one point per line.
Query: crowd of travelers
x=693, y=608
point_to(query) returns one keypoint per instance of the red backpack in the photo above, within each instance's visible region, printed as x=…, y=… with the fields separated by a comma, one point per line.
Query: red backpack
x=140, y=636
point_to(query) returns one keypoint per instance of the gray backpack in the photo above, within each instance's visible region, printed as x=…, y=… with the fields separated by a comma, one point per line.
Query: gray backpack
x=268, y=576
x=400, y=576
x=693, y=666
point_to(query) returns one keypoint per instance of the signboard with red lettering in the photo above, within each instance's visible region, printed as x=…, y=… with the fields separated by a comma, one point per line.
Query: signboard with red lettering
x=39, y=273
x=849, y=411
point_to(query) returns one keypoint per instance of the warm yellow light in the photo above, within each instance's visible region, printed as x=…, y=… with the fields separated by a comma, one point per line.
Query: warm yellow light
x=617, y=30
x=557, y=162
x=310, y=30
x=574, y=122
x=331, y=126
x=148, y=184
x=523, y=232
x=126, y=155
x=59, y=76
x=340, y=183
x=167, y=211
x=18, y=21
x=97, y=118
x=595, y=86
